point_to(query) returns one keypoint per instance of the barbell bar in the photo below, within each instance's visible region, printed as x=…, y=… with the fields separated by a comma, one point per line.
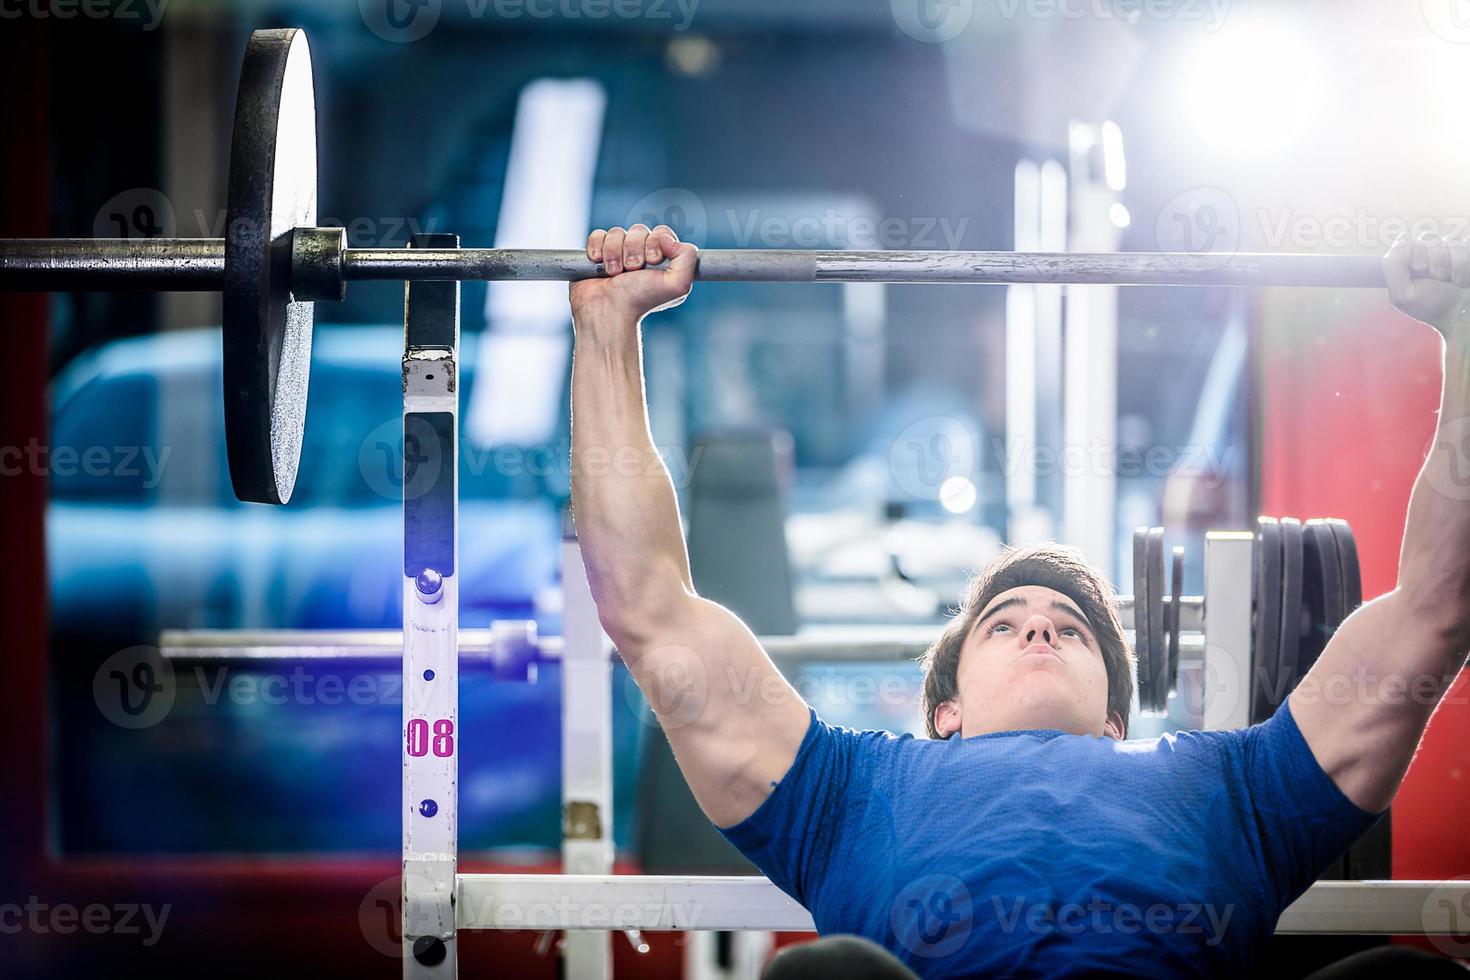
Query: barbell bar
x=198, y=265
x=274, y=264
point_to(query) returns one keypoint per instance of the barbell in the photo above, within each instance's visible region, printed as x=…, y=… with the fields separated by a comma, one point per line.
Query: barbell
x=273, y=265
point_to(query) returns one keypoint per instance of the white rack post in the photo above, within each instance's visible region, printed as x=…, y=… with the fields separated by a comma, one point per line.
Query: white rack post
x=430, y=623
x=1226, y=674
x=586, y=753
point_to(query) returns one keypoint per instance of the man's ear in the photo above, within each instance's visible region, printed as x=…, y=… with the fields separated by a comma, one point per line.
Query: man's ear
x=1115, y=727
x=947, y=718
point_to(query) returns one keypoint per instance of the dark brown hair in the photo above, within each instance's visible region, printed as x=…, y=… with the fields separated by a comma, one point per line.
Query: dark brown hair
x=1051, y=566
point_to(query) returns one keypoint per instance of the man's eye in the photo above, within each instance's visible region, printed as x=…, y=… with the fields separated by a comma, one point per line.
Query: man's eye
x=1075, y=634
x=997, y=627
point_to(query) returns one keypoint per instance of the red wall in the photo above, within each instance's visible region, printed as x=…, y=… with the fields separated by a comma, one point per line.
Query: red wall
x=1349, y=404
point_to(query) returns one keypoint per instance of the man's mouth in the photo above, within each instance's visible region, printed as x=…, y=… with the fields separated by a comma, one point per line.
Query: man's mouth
x=1040, y=650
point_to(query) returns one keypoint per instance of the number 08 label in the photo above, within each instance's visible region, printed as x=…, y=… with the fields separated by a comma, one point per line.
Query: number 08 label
x=421, y=742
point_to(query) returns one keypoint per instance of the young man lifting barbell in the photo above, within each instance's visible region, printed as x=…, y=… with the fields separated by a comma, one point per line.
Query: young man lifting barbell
x=1025, y=836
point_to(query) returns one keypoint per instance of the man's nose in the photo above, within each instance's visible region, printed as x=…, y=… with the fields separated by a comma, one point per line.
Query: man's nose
x=1039, y=629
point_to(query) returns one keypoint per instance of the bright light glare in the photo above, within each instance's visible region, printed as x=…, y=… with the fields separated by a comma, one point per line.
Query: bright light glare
x=958, y=495
x=1250, y=88
x=1119, y=213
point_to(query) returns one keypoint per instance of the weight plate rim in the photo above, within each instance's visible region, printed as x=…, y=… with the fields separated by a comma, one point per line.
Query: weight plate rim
x=1288, y=647
x=266, y=336
x=1157, y=653
x=1140, y=616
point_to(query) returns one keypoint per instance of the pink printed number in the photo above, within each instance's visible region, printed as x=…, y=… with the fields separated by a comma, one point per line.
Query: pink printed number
x=419, y=742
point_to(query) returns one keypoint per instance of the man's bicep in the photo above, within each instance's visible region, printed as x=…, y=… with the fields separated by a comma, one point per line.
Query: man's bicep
x=733, y=721
x=1361, y=708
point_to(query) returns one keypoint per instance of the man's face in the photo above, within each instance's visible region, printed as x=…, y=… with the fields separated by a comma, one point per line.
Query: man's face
x=1031, y=661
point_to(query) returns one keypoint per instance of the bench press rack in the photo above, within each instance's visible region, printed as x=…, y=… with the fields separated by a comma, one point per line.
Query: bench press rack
x=588, y=902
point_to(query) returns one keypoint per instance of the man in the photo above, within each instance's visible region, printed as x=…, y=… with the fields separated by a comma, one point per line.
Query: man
x=1025, y=837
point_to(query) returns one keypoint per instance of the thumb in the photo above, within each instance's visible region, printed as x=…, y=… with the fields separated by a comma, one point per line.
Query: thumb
x=683, y=264
x=1396, y=267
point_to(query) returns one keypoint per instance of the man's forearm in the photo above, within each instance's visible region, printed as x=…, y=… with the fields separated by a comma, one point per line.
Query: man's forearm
x=1434, y=564
x=622, y=497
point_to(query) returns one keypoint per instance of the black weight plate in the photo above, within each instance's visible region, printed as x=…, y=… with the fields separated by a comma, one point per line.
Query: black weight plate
x=1157, y=652
x=1347, y=560
x=1176, y=598
x=1140, y=615
x=1314, y=599
x=1288, y=649
x=267, y=337
x=1332, y=595
x=1267, y=632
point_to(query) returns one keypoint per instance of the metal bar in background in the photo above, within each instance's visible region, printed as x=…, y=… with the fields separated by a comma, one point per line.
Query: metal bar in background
x=513, y=643
x=654, y=903
x=430, y=735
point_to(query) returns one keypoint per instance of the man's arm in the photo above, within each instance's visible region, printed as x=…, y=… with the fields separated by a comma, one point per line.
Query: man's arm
x=1364, y=706
x=733, y=721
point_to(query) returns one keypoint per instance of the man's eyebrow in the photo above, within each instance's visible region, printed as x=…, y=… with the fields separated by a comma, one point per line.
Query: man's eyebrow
x=1071, y=610
x=1010, y=603
x=1057, y=605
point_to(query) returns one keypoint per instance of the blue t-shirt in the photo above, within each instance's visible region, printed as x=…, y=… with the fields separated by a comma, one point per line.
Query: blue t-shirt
x=1037, y=853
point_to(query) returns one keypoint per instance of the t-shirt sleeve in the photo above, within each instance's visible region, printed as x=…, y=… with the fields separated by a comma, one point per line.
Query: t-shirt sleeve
x=792, y=837
x=1304, y=821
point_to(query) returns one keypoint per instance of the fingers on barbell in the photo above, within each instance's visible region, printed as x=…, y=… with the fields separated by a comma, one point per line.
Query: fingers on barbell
x=612, y=250
x=634, y=246
x=594, y=244
x=662, y=242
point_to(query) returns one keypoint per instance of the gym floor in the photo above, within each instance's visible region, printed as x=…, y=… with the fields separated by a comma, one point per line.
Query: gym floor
x=252, y=822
